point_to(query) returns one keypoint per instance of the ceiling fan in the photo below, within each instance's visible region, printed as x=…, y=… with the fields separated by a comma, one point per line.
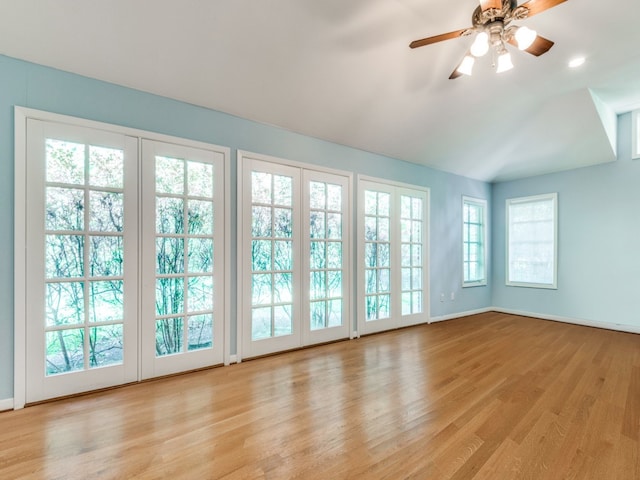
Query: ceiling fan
x=491, y=22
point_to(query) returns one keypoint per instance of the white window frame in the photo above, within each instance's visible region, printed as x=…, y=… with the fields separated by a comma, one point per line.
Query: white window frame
x=244, y=347
x=535, y=198
x=21, y=115
x=635, y=135
x=396, y=319
x=485, y=243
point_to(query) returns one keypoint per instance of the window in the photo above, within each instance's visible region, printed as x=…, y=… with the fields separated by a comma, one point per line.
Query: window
x=532, y=231
x=635, y=136
x=474, y=241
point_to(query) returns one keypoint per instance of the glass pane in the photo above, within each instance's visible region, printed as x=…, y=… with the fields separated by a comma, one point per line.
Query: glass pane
x=405, y=207
x=383, y=306
x=317, y=225
x=383, y=229
x=318, y=285
x=64, y=209
x=416, y=208
x=371, y=285
x=169, y=296
x=335, y=313
x=416, y=232
x=317, y=195
x=416, y=255
x=169, y=336
x=383, y=204
x=200, y=216
x=370, y=254
x=261, y=187
x=405, y=230
x=334, y=284
x=65, y=162
x=169, y=215
x=283, y=259
x=64, y=303
x=334, y=225
x=383, y=255
x=261, y=289
x=282, y=320
x=282, y=190
x=318, y=255
x=105, y=345
x=282, y=288
x=106, y=301
x=200, y=332
x=261, y=222
x=169, y=255
x=416, y=278
x=370, y=202
x=370, y=228
x=384, y=280
x=200, y=293
x=200, y=180
x=318, y=315
x=106, y=167
x=406, y=303
x=282, y=223
x=261, y=255
x=106, y=256
x=371, y=305
x=334, y=255
x=64, y=256
x=65, y=351
x=405, y=253
x=334, y=197
x=169, y=175
x=406, y=279
x=417, y=302
x=200, y=255
x=106, y=211
x=260, y=323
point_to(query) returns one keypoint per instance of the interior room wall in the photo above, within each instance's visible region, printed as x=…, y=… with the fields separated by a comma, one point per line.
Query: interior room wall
x=39, y=87
x=598, y=231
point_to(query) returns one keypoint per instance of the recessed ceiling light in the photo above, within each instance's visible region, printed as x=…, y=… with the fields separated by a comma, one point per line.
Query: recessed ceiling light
x=576, y=62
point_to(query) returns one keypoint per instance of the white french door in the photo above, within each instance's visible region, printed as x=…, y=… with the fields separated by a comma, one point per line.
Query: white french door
x=392, y=256
x=182, y=258
x=81, y=230
x=294, y=256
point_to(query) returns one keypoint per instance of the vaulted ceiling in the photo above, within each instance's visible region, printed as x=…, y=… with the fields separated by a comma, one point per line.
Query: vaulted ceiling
x=342, y=71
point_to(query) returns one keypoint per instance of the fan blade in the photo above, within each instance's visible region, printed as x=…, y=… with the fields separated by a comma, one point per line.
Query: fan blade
x=539, y=46
x=487, y=4
x=438, y=38
x=538, y=6
x=455, y=74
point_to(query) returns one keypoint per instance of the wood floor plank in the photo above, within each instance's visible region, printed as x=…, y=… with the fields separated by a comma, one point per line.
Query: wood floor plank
x=492, y=396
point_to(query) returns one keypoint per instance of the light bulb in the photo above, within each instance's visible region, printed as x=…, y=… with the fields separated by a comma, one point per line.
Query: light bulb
x=466, y=67
x=504, y=62
x=525, y=37
x=480, y=45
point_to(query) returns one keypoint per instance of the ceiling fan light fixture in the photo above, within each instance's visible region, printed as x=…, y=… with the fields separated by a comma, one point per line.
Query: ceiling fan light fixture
x=480, y=45
x=525, y=37
x=504, y=61
x=466, y=66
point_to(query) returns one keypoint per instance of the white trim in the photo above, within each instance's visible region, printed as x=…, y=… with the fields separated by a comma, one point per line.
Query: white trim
x=618, y=327
x=292, y=163
x=635, y=135
x=485, y=240
x=453, y=316
x=7, y=404
x=533, y=198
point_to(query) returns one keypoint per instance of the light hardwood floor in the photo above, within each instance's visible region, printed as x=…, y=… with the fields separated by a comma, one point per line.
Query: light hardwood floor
x=491, y=396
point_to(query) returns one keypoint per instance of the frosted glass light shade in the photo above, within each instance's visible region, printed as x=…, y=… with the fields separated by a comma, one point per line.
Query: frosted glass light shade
x=504, y=62
x=480, y=45
x=525, y=37
x=466, y=67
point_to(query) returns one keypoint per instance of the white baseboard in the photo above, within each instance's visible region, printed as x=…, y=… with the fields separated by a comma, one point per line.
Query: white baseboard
x=453, y=316
x=6, y=404
x=576, y=321
x=233, y=359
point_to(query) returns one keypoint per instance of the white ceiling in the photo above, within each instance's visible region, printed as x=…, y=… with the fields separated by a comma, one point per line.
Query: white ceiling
x=342, y=71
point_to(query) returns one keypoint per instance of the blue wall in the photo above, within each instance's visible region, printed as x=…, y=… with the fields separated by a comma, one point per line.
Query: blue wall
x=34, y=86
x=598, y=232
